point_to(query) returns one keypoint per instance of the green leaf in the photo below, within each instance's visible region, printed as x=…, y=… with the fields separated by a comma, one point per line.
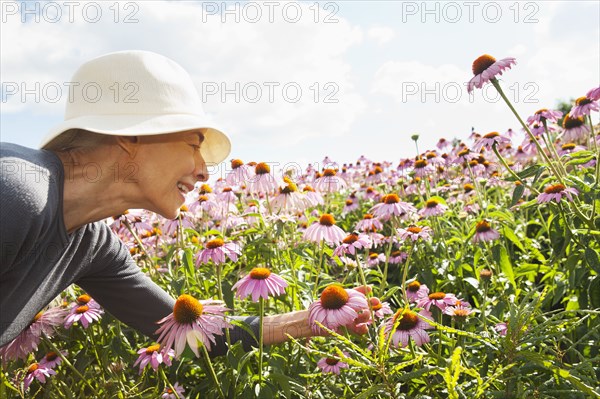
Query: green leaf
x=530, y=171
x=591, y=256
x=512, y=237
x=501, y=256
x=517, y=194
x=594, y=292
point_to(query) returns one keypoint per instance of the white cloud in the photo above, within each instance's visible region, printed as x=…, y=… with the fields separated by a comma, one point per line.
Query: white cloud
x=381, y=34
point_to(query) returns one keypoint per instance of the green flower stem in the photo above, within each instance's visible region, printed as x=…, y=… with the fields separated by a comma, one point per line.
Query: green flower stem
x=510, y=171
x=319, y=268
x=212, y=373
x=164, y=376
x=405, y=273
x=70, y=365
x=553, y=148
x=261, y=311
x=364, y=283
x=140, y=243
x=477, y=189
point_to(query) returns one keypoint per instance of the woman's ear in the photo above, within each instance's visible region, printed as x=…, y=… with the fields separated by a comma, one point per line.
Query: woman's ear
x=129, y=144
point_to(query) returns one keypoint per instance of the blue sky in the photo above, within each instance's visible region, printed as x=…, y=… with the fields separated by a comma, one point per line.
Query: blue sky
x=394, y=68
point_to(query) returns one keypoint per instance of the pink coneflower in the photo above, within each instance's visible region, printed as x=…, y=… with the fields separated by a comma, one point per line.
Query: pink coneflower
x=332, y=364
x=375, y=259
x=350, y=205
x=464, y=156
x=85, y=310
x=488, y=140
x=569, y=148
x=438, y=299
x=329, y=182
x=416, y=291
x=433, y=207
x=205, y=203
x=324, y=229
x=43, y=324
x=170, y=226
x=368, y=223
x=556, y=192
x=575, y=129
x=240, y=173
x=36, y=371
x=217, y=251
x=409, y=325
x=289, y=199
x=594, y=94
x=177, y=394
x=443, y=144
x=584, y=106
x=260, y=282
x=371, y=193
x=312, y=197
x=484, y=232
x=336, y=307
x=459, y=311
x=154, y=356
x=194, y=322
x=263, y=182
x=380, y=309
x=397, y=257
x=52, y=359
x=544, y=114
x=352, y=243
x=501, y=328
x=415, y=232
x=423, y=168
x=486, y=68
x=391, y=205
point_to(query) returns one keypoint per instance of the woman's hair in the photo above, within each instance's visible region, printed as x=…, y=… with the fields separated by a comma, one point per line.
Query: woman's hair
x=78, y=139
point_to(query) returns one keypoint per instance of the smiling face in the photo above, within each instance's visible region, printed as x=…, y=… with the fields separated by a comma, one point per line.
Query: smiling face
x=167, y=167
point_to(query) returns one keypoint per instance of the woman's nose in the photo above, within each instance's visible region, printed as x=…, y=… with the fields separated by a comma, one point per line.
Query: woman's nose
x=201, y=171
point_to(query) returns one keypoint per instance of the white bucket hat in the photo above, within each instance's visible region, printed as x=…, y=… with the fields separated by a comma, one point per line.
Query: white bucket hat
x=138, y=93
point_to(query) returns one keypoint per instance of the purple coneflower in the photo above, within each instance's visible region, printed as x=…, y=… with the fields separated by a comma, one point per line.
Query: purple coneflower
x=216, y=250
x=584, y=106
x=178, y=394
x=336, y=307
x=154, y=356
x=262, y=182
x=488, y=140
x=486, y=68
x=459, y=311
x=544, y=114
x=36, y=371
x=52, y=359
x=240, y=173
x=569, y=148
x=438, y=299
x=397, y=257
x=391, y=205
x=351, y=244
x=575, y=129
x=556, y=192
x=194, y=322
x=381, y=309
x=423, y=168
x=594, y=94
x=368, y=222
x=312, y=197
x=416, y=290
x=28, y=340
x=289, y=199
x=85, y=310
x=329, y=182
x=415, y=232
x=501, y=328
x=324, y=229
x=375, y=259
x=332, y=364
x=433, y=207
x=350, y=205
x=484, y=232
x=409, y=325
x=260, y=282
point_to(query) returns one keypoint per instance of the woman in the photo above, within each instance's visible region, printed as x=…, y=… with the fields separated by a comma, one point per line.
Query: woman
x=134, y=136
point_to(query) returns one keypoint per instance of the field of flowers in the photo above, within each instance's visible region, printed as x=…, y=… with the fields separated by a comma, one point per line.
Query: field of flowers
x=484, y=256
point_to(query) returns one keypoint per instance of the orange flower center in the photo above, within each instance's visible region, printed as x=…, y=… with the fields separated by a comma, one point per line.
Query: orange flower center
x=482, y=226
x=83, y=299
x=334, y=297
x=390, y=199
x=373, y=255
x=187, y=309
x=215, y=243
x=491, y=135
x=482, y=63
x=202, y=198
x=236, y=163
x=50, y=356
x=308, y=188
x=331, y=361
x=377, y=170
x=554, y=189
x=463, y=152
x=259, y=273
x=183, y=208
x=420, y=163
x=468, y=187
x=205, y=188
x=152, y=349
x=350, y=239
x=414, y=229
x=370, y=190
x=329, y=172
x=37, y=316
x=349, y=202
x=461, y=312
x=568, y=146
x=408, y=319
x=432, y=203
x=582, y=101
x=262, y=168
x=290, y=188
x=436, y=296
x=368, y=216
x=413, y=286
x=430, y=155
x=327, y=220
x=32, y=368
x=570, y=122
x=82, y=309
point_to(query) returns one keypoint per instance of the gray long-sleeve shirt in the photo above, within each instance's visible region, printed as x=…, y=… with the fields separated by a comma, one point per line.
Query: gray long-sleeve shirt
x=39, y=259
